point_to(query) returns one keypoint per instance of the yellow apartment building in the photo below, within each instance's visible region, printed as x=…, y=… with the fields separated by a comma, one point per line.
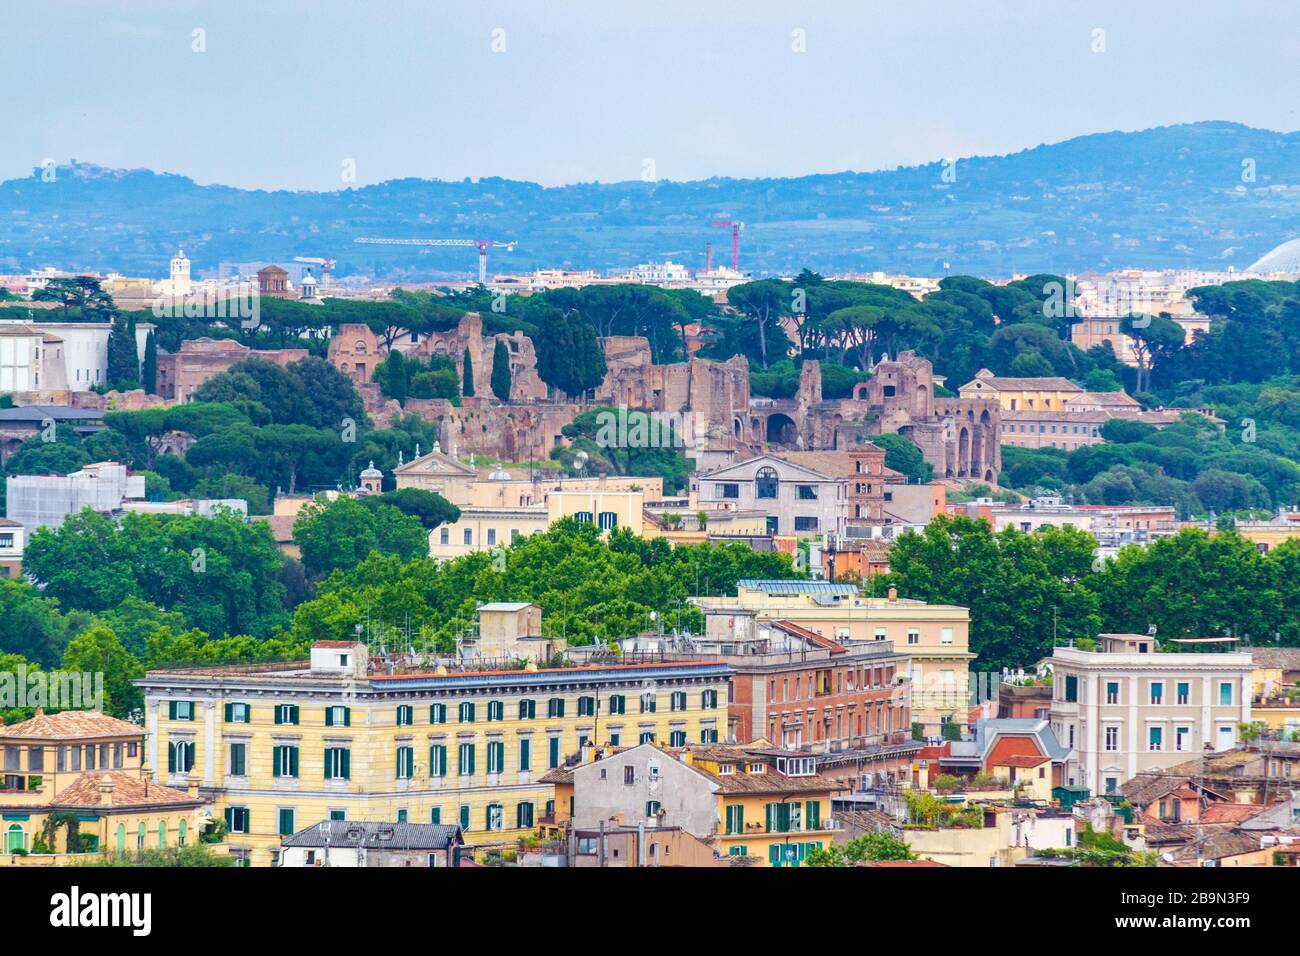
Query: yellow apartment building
x=481, y=529
x=1038, y=394
x=279, y=747
x=934, y=637
x=84, y=766
x=745, y=800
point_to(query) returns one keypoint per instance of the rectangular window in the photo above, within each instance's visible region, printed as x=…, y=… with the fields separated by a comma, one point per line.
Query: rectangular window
x=465, y=760
x=736, y=818
x=237, y=713
x=405, y=763
x=586, y=706
x=1225, y=694
x=467, y=713
x=527, y=710
x=648, y=703
x=678, y=700
x=524, y=816
x=555, y=707
x=286, y=821
x=652, y=808
x=1112, y=692
x=284, y=761
x=1155, y=738
x=709, y=699
x=1157, y=692
x=496, y=710
x=492, y=536
x=945, y=636
x=286, y=713
x=405, y=715
x=338, y=763
x=1112, y=738
x=496, y=756
x=728, y=490
x=617, y=704
x=238, y=759
x=1182, y=738
x=553, y=755
x=437, y=713
x=1071, y=688
x=805, y=523
x=1184, y=692
x=437, y=760
x=806, y=492
x=525, y=753
x=237, y=819
x=180, y=709
x=464, y=816
x=495, y=817
x=435, y=816
x=468, y=536
x=338, y=716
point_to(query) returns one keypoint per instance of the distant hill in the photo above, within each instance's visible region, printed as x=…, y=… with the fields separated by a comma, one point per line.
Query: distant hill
x=1167, y=197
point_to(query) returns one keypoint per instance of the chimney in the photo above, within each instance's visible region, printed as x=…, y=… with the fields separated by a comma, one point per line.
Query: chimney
x=893, y=594
x=688, y=758
x=192, y=785
x=40, y=712
x=106, y=788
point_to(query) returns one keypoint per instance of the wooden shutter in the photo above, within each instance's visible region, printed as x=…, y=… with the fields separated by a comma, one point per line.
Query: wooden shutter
x=171, y=758
x=347, y=764
x=230, y=709
x=171, y=710
x=329, y=716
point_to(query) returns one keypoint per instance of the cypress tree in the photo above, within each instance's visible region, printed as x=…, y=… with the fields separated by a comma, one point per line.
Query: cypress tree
x=467, y=388
x=150, y=365
x=123, y=358
x=501, y=372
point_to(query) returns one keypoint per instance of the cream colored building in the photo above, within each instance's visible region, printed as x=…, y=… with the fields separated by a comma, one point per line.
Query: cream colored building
x=482, y=529
x=935, y=637
x=277, y=747
x=1129, y=707
x=1042, y=394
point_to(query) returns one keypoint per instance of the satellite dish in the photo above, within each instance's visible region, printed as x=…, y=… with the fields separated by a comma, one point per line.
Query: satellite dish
x=580, y=461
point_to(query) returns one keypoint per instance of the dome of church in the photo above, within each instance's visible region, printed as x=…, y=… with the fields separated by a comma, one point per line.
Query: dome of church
x=1283, y=258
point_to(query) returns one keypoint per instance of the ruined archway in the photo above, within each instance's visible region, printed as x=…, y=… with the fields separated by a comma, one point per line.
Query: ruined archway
x=781, y=429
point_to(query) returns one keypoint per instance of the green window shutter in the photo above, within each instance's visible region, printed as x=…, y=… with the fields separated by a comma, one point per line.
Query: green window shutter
x=275, y=761
x=171, y=758
x=347, y=716
x=768, y=809
x=279, y=714
x=229, y=710
x=294, y=713
x=329, y=761
x=347, y=764
x=774, y=853
x=329, y=716
x=171, y=710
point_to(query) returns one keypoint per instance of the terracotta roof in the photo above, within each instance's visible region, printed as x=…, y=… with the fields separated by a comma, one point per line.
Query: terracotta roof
x=1020, y=760
x=129, y=790
x=1224, y=812
x=70, y=724
x=1287, y=658
x=1217, y=844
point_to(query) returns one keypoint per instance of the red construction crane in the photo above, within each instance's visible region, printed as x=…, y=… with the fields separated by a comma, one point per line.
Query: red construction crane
x=737, y=228
x=483, y=246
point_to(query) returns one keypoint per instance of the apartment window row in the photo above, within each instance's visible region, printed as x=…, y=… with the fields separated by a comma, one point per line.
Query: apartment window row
x=73, y=757
x=239, y=819
x=791, y=817
x=467, y=712
x=823, y=682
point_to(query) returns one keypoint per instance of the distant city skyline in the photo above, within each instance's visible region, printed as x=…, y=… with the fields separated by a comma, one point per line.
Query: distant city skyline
x=333, y=95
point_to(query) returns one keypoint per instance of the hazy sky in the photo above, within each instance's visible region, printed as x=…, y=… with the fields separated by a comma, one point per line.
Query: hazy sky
x=286, y=92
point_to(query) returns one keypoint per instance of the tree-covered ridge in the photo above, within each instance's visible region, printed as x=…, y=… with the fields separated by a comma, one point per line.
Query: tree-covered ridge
x=1157, y=198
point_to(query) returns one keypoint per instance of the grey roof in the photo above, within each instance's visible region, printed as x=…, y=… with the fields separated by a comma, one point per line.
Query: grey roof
x=34, y=413
x=506, y=606
x=351, y=834
x=797, y=587
x=985, y=731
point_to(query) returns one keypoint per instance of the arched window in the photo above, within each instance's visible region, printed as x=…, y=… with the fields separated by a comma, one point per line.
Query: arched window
x=765, y=483
x=121, y=838
x=180, y=833
x=17, y=839
x=162, y=834
x=139, y=837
